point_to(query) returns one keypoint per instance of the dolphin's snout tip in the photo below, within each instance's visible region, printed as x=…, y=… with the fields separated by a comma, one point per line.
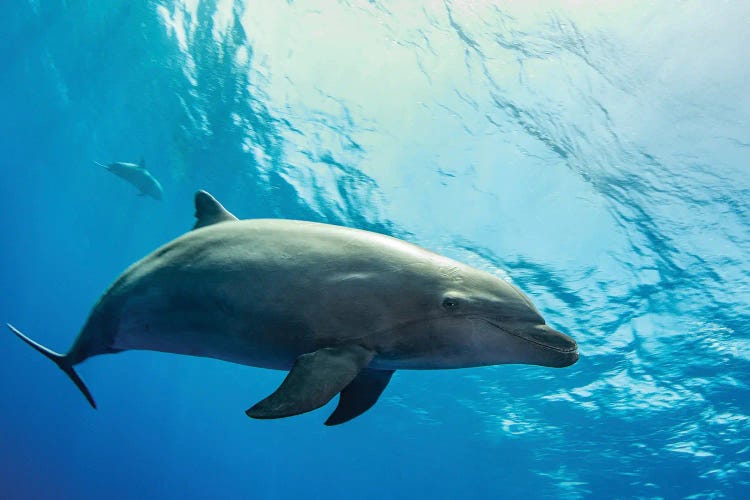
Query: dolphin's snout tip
x=562, y=359
x=553, y=339
x=571, y=359
x=565, y=347
x=569, y=356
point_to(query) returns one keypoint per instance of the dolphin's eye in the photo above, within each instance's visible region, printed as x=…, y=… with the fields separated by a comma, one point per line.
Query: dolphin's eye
x=450, y=303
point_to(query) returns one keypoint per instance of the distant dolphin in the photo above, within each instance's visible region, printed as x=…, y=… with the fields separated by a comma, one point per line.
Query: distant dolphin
x=341, y=308
x=137, y=175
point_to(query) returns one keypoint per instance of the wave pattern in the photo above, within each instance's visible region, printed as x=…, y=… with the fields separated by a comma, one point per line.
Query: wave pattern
x=550, y=118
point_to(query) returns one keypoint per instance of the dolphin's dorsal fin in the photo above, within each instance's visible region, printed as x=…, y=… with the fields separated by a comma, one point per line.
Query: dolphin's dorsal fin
x=209, y=211
x=142, y=163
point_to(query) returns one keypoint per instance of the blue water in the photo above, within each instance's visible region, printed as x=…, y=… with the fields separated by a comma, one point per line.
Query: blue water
x=596, y=154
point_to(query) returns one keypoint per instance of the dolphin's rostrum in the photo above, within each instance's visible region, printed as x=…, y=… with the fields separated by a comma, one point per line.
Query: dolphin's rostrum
x=137, y=175
x=340, y=308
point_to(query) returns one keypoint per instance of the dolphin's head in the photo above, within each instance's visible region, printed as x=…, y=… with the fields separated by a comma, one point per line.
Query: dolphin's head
x=474, y=319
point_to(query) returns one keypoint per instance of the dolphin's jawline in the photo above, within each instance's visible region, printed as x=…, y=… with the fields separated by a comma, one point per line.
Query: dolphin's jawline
x=531, y=341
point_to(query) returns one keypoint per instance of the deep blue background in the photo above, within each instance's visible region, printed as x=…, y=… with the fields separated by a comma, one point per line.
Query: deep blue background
x=576, y=150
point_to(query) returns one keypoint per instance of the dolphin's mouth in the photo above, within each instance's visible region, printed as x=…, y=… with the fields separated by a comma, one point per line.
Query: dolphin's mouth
x=545, y=337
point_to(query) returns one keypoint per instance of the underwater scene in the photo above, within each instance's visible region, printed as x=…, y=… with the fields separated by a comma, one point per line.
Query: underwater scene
x=375, y=249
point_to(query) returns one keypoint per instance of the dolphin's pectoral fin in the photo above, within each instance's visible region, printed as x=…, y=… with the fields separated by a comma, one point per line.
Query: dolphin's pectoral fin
x=360, y=395
x=209, y=211
x=313, y=381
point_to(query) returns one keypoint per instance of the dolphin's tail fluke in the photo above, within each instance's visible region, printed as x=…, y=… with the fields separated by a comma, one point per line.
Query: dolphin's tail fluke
x=60, y=360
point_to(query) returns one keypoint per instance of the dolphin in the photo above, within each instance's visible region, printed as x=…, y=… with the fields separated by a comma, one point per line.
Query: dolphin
x=137, y=175
x=341, y=309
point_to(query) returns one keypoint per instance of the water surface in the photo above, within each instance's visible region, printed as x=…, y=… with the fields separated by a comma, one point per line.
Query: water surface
x=595, y=154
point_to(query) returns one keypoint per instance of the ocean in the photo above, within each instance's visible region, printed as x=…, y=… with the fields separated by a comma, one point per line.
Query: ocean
x=595, y=154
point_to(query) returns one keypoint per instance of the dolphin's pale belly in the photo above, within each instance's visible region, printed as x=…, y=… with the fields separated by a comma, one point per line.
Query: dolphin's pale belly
x=170, y=323
x=142, y=333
